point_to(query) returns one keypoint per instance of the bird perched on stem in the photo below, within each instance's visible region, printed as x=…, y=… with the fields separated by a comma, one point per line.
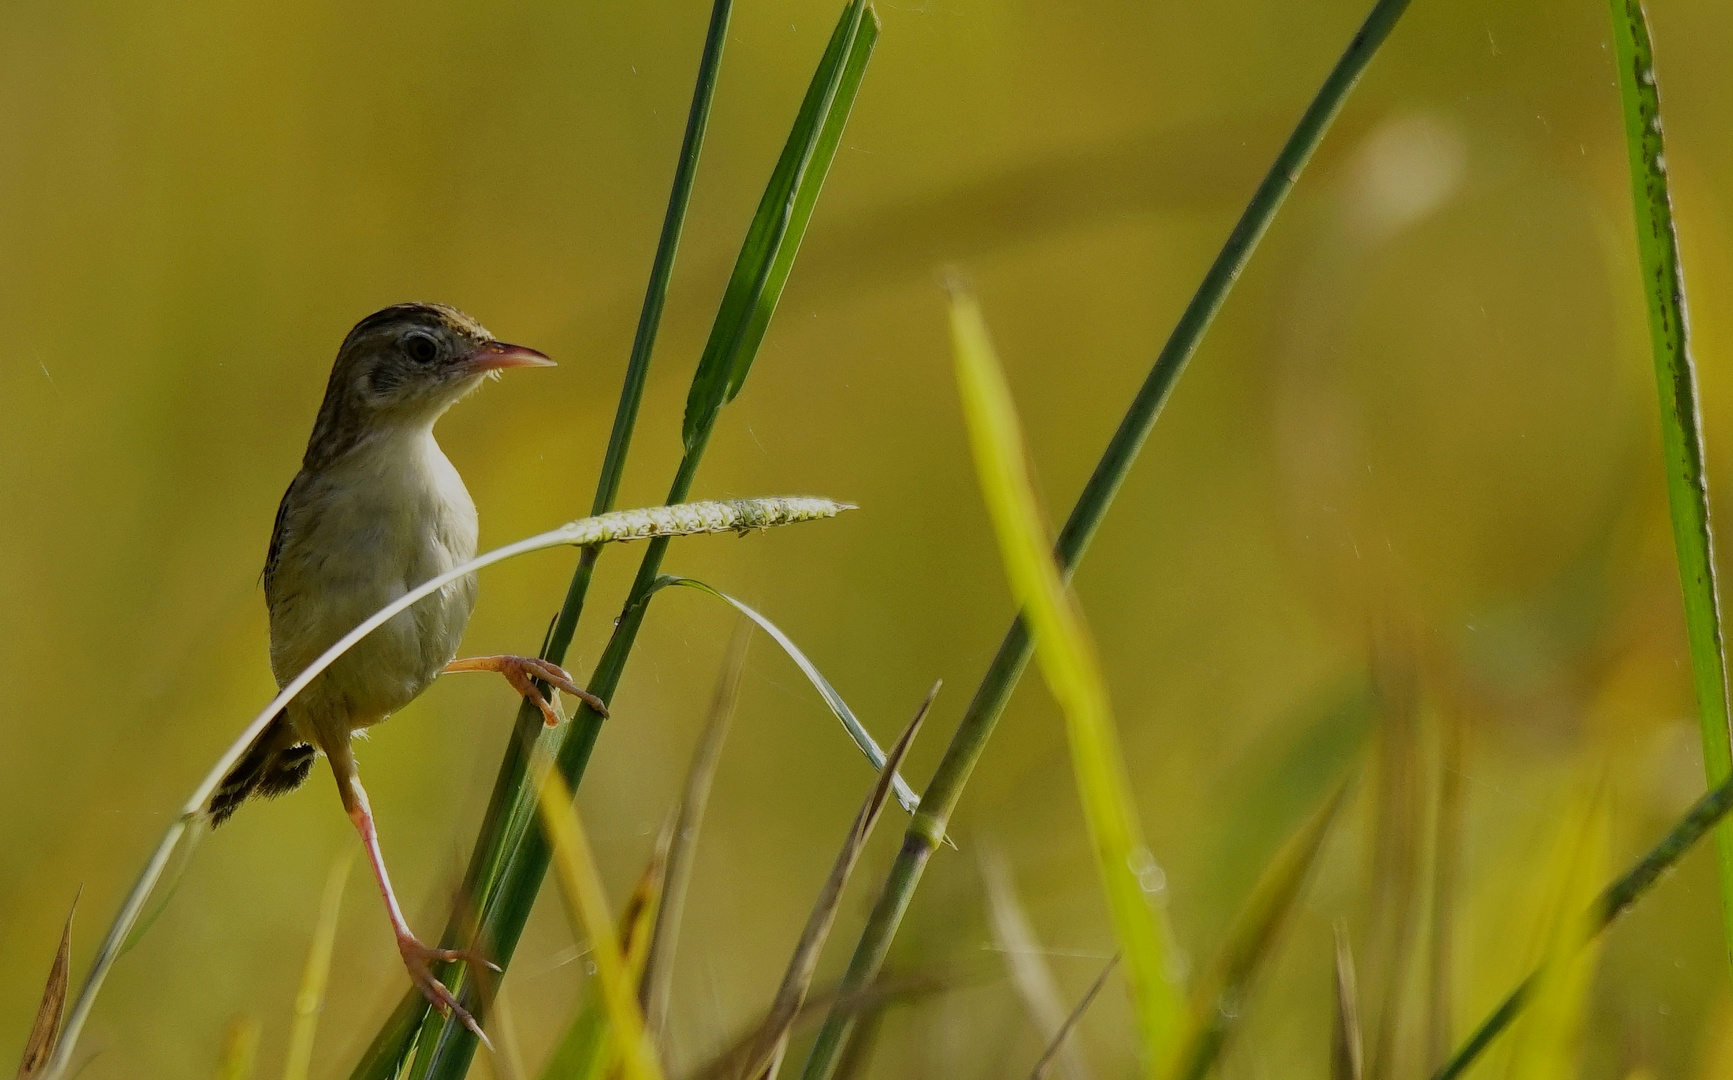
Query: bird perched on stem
x=375, y=511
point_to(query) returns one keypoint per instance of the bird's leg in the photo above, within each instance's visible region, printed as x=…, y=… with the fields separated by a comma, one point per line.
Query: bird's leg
x=417, y=958
x=522, y=671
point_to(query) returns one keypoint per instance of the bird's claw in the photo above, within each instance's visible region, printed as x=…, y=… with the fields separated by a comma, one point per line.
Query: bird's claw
x=418, y=958
x=522, y=672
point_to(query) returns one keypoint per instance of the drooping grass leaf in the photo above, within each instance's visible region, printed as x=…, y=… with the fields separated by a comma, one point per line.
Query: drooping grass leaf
x=652, y=523
x=44, y=1035
x=774, y=237
x=1073, y=675
x=587, y=908
x=1663, y=283
x=586, y=1052
x=761, y=1056
x=1025, y=960
x=838, y=707
x=658, y=976
x=1253, y=936
x=316, y=974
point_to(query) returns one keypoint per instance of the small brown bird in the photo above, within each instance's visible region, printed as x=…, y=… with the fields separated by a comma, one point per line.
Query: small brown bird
x=375, y=511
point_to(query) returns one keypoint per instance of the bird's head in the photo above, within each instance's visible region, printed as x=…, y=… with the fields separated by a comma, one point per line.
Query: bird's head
x=402, y=367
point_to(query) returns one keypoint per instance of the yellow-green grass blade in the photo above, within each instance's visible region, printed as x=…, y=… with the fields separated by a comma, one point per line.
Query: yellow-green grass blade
x=586, y=1052
x=1546, y=1043
x=1253, y=937
x=1005, y=670
x=1073, y=674
x=586, y=905
x=1663, y=285
x=316, y=973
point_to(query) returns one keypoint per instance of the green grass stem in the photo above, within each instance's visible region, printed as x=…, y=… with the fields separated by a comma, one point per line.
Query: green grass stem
x=507, y=814
x=622, y=525
x=1681, y=421
x=512, y=853
x=939, y=801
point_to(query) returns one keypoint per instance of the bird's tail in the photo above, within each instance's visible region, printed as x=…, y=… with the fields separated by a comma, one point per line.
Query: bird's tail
x=275, y=764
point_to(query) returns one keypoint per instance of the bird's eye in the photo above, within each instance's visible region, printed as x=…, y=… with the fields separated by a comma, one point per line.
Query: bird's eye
x=421, y=348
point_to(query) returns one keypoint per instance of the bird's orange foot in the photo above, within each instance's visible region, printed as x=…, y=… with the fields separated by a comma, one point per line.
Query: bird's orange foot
x=522, y=671
x=419, y=958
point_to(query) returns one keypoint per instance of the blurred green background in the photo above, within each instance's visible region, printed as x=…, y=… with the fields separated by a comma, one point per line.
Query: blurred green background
x=1411, y=485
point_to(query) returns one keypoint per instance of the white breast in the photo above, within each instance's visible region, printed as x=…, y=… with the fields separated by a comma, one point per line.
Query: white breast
x=385, y=518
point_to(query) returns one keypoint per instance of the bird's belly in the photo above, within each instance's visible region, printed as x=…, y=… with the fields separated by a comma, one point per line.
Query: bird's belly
x=391, y=666
x=356, y=556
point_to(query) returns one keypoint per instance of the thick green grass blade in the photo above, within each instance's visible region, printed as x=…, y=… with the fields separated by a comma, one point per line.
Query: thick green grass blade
x=512, y=859
x=1069, y=666
x=773, y=240
x=927, y=831
x=1681, y=421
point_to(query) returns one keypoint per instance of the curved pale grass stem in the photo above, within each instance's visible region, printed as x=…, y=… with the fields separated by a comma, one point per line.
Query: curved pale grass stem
x=663, y=521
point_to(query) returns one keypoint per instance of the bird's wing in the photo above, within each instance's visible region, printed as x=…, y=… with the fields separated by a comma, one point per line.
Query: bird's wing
x=280, y=529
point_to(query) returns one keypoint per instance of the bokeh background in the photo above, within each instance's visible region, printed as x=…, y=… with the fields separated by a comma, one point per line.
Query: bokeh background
x=1405, y=509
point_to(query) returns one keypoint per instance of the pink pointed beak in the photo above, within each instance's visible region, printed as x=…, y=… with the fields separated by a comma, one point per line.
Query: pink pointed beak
x=497, y=355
